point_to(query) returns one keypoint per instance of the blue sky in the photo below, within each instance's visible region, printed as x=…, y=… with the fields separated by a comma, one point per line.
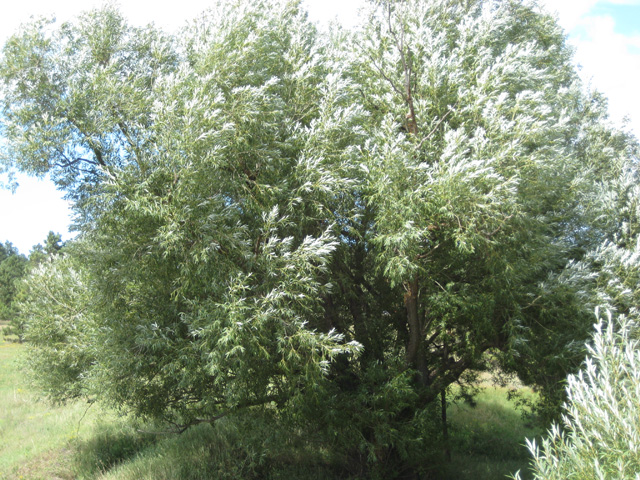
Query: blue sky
x=626, y=16
x=606, y=35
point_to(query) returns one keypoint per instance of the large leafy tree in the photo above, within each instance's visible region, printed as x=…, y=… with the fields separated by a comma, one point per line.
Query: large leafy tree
x=189, y=197
x=336, y=227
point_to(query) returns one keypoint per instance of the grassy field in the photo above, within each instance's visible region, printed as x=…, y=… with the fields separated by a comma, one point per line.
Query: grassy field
x=40, y=441
x=29, y=430
x=78, y=441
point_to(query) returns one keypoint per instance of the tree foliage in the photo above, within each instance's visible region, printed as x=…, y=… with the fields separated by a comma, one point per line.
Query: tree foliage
x=599, y=433
x=336, y=227
x=53, y=303
x=12, y=269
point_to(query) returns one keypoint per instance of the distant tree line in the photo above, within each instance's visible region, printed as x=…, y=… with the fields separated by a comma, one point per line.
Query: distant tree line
x=14, y=267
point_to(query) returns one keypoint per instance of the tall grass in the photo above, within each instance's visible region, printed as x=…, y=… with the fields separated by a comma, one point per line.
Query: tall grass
x=78, y=441
x=72, y=441
x=488, y=439
x=28, y=428
x=38, y=440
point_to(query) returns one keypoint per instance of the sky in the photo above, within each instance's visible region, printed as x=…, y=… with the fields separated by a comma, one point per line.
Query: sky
x=604, y=33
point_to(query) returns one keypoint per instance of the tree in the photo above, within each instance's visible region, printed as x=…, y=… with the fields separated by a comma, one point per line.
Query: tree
x=12, y=269
x=335, y=227
x=52, y=304
x=52, y=246
x=21, y=290
x=53, y=243
x=161, y=299
x=598, y=433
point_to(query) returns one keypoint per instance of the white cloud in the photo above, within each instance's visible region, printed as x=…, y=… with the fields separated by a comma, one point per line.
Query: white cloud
x=569, y=12
x=609, y=59
x=624, y=2
x=31, y=212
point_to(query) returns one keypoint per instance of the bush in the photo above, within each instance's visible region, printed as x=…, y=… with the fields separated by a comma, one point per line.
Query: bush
x=600, y=434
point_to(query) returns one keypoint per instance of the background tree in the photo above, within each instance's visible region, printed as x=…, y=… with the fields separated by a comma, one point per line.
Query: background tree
x=332, y=230
x=12, y=269
x=54, y=305
x=13, y=274
x=52, y=246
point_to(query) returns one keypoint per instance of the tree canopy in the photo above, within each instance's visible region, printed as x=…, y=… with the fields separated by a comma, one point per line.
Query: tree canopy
x=333, y=227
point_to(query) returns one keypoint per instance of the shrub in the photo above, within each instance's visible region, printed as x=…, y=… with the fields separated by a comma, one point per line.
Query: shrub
x=600, y=433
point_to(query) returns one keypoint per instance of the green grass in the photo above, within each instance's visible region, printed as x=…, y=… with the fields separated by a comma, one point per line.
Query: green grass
x=69, y=442
x=202, y=452
x=488, y=439
x=77, y=441
x=29, y=429
x=41, y=441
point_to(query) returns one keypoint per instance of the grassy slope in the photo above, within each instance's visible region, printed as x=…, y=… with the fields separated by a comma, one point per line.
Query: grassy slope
x=488, y=440
x=37, y=440
x=29, y=429
x=67, y=442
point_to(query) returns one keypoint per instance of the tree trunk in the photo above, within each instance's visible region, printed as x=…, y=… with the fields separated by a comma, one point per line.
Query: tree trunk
x=414, y=356
x=445, y=427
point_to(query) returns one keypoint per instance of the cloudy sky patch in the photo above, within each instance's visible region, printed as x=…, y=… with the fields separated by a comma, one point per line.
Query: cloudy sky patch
x=606, y=38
